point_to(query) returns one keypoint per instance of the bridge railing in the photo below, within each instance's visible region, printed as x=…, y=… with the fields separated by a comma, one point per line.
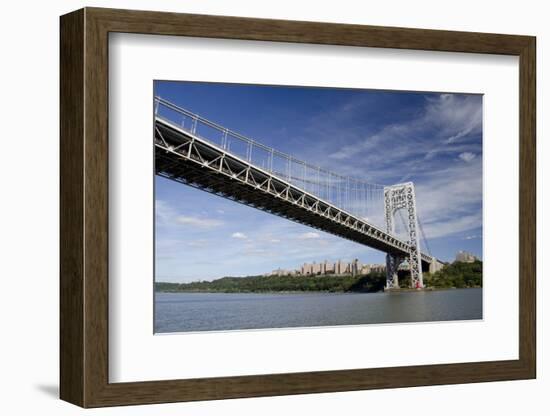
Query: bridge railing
x=355, y=196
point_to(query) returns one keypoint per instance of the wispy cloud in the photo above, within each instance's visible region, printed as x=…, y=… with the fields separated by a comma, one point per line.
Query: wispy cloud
x=168, y=215
x=399, y=149
x=239, y=236
x=449, y=200
x=455, y=117
x=453, y=226
x=467, y=156
x=309, y=236
x=198, y=222
x=437, y=148
x=164, y=213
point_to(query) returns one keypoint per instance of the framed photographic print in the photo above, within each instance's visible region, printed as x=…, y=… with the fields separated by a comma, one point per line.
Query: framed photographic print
x=256, y=207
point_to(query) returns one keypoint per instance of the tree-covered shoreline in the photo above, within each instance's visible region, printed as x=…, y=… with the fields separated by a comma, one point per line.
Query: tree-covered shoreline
x=455, y=275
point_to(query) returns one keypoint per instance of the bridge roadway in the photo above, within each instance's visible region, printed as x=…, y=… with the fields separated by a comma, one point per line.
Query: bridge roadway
x=186, y=158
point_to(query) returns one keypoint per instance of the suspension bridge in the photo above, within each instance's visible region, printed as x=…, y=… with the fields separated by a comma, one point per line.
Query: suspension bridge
x=197, y=152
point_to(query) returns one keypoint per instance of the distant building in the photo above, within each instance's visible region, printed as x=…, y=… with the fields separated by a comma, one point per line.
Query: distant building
x=365, y=269
x=355, y=268
x=339, y=267
x=306, y=269
x=465, y=257
x=377, y=268
x=316, y=268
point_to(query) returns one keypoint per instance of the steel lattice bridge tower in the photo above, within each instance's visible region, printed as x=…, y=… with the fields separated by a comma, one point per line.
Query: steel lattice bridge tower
x=398, y=197
x=197, y=152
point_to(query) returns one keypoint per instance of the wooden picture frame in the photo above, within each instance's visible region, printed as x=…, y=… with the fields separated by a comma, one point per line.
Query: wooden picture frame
x=84, y=207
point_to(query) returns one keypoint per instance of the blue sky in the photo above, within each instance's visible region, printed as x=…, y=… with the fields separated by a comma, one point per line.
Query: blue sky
x=386, y=137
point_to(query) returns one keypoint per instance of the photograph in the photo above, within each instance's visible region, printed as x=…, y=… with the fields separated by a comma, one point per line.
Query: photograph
x=295, y=207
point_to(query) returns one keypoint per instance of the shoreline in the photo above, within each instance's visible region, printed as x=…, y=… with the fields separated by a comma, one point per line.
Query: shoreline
x=455, y=275
x=297, y=292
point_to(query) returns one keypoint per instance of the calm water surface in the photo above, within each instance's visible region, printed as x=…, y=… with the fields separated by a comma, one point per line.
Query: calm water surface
x=179, y=312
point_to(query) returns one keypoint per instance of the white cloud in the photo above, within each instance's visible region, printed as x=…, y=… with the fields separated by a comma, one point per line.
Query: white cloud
x=309, y=236
x=240, y=236
x=467, y=156
x=198, y=222
x=167, y=215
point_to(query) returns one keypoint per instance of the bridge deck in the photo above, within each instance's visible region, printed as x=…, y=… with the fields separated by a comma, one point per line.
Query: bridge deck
x=186, y=158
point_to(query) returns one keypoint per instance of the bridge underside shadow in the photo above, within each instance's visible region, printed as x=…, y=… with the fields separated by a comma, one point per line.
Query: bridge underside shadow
x=182, y=157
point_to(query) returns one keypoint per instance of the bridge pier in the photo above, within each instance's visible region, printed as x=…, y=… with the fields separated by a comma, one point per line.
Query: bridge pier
x=392, y=265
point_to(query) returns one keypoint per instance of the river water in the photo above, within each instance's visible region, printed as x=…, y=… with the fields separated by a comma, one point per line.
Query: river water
x=181, y=312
